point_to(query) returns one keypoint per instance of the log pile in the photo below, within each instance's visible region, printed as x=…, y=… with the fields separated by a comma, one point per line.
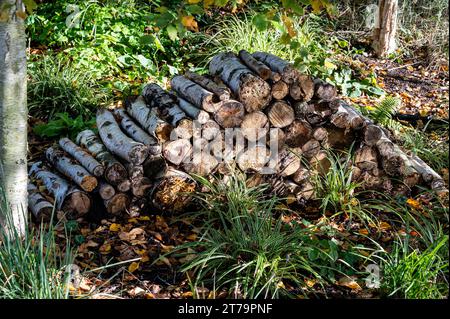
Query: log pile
x=252, y=112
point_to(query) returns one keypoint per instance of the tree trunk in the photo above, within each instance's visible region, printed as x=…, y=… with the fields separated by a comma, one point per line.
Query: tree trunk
x=13, y=111
x=40, y=207
x=386, y=28
x=195, y=94
x=256, y=66
x=223, y=93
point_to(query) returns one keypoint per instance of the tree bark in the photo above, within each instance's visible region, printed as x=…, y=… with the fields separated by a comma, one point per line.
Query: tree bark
x=256, y=66
x=40, y=207
x=195, y=94
x=193, y=112
x=222, y=93
x=149, y=119
x=115, y=172
x=13, y=112
x=76, y=173
x=253, y=92
x=288, y=73
x=385, y=30
x=117, y=142
x=83, y=157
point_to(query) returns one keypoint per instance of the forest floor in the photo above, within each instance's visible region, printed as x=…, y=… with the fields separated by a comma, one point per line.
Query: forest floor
x=120, y=257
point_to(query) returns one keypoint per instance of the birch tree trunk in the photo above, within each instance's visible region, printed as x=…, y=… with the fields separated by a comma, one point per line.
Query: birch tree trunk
x=385, y=28
x=13, y=110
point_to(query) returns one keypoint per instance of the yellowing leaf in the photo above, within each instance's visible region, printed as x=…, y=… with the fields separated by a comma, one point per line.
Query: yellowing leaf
x=133, y=266
x=190, y=23
x=384, y=226
x=144, y=218
x=194, y=1
x=105, y=248
x=349, y=282
x=413, y=203
x=329, y=65
x=115, y=227
x=207, y=3
x=364, y=231
x=310, y=282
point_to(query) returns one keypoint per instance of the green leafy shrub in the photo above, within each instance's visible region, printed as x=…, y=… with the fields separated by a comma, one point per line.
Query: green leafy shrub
x=56, y=85
x=63, y=125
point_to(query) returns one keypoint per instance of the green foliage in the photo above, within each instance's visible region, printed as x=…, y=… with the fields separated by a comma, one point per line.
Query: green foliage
x=33, y=267
x=384, y=111
x=249, y=251
x=337, y=191
x=63, y=125
x=56, y=85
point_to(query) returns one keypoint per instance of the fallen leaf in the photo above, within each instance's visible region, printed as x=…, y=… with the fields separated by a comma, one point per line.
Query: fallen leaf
x=133, y=266
x=115, y=227
x=349, y=282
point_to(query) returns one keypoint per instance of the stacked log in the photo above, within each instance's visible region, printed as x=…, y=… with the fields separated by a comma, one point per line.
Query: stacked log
x=252, y=112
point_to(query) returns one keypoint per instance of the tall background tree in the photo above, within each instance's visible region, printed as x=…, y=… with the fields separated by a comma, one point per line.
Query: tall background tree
x=386, y=28
x=13, y=109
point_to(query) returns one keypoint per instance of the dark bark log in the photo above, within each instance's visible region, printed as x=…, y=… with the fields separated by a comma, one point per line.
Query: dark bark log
x=222, y=93
x=149, y=119
x=262, y=70
x=68, y=167
x=115, y=172
x=288, y=73
x=339, y=138
x=366, y=158
x=255, y=126
x=301, y=175
x=85, y=159
x=39, y=206
x=298, y=133
x=436, y=182
x=320, y=163
x=280, y=114
x=155, y=167
x=320, y=134
x=117, y=142
x=195, y=94
x=229, y=114
x=124, y=186
x=253, y=92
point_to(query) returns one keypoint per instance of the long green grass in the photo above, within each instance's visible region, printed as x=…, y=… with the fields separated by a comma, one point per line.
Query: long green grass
x=34, y=266
x=57, y=86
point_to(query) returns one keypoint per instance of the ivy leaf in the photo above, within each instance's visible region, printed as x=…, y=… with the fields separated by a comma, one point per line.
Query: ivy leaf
x=260, y=22
x=172, y=32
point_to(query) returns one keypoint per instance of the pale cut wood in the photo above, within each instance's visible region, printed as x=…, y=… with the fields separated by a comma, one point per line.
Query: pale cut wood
x=210, y=130
x=366, y=158
x=372, y=134
x=39, y=206
x=320, y=134
x=311, y=148
x=385, y=29
x=391, y=160
x=105, y=190
x=253, y=159
x=68, y=167
x=83, y=157
x=184, y=130
x=193, y=112
x=195, y=94
x=255, y=126
x=262, y=70
x=276, y=138
x=177, y=151
x=301, y=175
x=320, y=163
x=116, y=141
x=223, y=93
x=252, y=91
x=436, y=182
x=280, y=114
x=149, y=119
x=202, y=164
x=115, y=172
x=280, y=90
x=348, y=118
x=288, y=162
